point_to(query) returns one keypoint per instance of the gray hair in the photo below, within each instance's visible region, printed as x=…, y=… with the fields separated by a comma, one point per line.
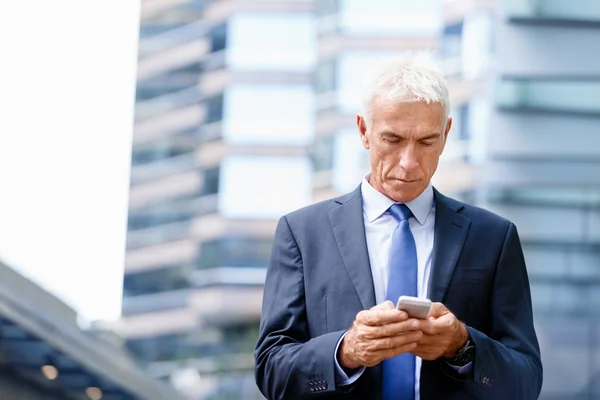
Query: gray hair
x=407, y=78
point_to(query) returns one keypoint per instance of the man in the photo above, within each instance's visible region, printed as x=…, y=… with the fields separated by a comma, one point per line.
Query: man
x=329, y=326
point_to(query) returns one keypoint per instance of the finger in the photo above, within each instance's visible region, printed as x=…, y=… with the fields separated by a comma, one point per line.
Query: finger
x=386, y=305
x=437, y=310
x=393, y=341
x=397, y=328
x=380, y=317
x=428, y=326
x=428, y=340
x=395, y=351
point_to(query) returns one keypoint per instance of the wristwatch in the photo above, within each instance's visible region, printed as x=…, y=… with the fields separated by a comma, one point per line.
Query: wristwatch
x=464, y=355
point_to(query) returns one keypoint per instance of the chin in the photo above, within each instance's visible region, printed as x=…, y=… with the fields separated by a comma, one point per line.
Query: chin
x=403, y=192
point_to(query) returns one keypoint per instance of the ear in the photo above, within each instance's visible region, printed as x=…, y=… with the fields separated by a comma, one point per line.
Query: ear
x=362, y=130
x=446, y=132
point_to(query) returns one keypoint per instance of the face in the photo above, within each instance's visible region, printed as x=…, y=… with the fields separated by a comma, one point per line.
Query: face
x=405, y=142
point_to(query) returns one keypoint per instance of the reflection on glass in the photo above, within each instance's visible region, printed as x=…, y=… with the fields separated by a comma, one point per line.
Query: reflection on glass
x=350, y=161
x=243, y=252
x=207, y=342
x=391, y=17
x=211, y=181
x=271, y=41
x=578, y=96
x=269, y=114
x=547, y=196
x=323, y=153
x=264, y=187
x=214, y=109
x=157, y=281
x=352, y=67
x=557, y=9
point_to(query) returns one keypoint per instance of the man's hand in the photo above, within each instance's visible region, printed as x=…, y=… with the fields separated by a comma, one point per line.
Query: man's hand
x=377, y=334
x=443, y=334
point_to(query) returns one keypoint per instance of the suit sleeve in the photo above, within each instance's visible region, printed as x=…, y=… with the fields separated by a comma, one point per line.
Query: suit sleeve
x=507, y=362
x=289, y=364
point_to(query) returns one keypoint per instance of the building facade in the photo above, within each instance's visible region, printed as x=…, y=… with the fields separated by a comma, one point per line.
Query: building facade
x=44, y=355
x=543, y=173
x=245, y=111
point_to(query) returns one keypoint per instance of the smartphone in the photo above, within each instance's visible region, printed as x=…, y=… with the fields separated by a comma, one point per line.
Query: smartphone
x=415, y=307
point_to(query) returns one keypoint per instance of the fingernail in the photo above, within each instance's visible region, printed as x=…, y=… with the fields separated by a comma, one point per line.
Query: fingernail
x=415, y=324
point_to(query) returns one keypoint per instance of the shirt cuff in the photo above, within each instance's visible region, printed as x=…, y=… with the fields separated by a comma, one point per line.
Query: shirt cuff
x=341, y=378
x=464, y=370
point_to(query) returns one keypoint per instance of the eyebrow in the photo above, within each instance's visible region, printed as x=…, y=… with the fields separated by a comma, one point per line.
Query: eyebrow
x=432, y=136
x=428, y=137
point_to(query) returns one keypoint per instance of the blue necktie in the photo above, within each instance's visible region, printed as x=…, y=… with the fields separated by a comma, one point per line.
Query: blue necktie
x=399, y=372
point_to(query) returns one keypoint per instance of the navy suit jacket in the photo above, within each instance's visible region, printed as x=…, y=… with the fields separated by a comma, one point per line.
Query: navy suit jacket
x=319, y=278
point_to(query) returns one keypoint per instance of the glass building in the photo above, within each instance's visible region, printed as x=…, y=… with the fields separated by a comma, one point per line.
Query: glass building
x=245, y=111
x=543, y=173
x=224, y=116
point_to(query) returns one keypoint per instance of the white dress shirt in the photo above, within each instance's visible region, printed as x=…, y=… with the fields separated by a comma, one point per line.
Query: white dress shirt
x=379, y=227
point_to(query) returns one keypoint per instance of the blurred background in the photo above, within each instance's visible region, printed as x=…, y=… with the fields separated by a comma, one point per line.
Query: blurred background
x=202, y=122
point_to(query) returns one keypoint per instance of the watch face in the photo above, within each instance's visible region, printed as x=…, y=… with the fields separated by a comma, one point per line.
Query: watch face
x=464, y=355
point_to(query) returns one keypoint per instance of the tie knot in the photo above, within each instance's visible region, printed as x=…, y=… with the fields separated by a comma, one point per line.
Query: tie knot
x=401, y=212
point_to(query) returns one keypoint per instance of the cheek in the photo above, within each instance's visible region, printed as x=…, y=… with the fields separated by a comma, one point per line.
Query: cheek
x=430, y=162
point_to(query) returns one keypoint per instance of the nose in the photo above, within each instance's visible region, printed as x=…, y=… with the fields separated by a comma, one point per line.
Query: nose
x=409, y=159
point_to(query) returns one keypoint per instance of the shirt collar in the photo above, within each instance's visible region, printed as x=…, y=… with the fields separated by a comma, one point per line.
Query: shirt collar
x=375, y=204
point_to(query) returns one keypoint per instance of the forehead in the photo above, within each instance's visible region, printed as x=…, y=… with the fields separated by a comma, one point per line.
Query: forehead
x=407, y=114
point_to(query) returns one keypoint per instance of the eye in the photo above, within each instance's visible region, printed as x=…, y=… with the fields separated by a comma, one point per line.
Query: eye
x=392, y=139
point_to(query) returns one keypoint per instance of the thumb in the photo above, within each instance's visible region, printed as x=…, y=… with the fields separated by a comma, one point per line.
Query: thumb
x=386, y=305
x=437, y=310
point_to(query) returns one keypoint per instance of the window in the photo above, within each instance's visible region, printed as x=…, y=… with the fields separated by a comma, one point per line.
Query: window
x=269, y=114
x=271, y=41
x=553, y=9
x=235, y=252
x=214, y=109
x=580, y=96
x=159, y=150
x=218, y=36
x=164, y=212
x=391, y=17
x=550, y=196
x=326, y=7
x=211, y=181
x=460, y=123
x=171, y=82
x=264, y=187
x=323, y=153
x=324, y=77
x=350, y=161
x=233, y=339
x=157, y=281
x=148, y=220
x=351, y=67
x=451, y=49
x=178, y=346
x=476, y=49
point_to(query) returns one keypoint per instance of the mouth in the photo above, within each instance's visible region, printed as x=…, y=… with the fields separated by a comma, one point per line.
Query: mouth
x=408, y=180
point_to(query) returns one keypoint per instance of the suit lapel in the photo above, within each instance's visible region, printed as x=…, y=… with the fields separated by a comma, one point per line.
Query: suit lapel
x=449, y=238
x=349, y=231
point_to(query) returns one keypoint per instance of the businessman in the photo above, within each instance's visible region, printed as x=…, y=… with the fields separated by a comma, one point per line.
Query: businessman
x=329, y=327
